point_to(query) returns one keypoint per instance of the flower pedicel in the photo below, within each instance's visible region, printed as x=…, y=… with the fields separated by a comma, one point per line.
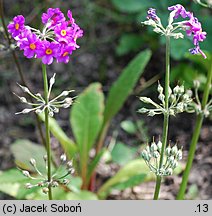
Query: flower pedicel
x=57, y=40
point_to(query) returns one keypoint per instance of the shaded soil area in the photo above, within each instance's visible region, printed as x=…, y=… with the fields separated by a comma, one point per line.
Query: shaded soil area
x=96, y=61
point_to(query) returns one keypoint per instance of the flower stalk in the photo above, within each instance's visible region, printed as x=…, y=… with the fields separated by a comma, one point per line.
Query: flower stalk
x=195, y=137
x=48, y=145
x=166, y=117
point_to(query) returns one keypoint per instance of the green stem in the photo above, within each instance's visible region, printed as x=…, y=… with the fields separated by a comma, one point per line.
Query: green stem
x=195, y=138
x=48, y=146
x=166, y=117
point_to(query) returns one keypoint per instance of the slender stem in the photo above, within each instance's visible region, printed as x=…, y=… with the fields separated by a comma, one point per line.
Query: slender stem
x=48, y=146
x=15, y=58
x=195, y=138
x=166, y=117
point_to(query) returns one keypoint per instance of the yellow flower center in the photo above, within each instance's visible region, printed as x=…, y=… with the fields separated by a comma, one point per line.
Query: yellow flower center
x=32, y=46
x=65, y=54
x=49, y=51
x=63, y=32
x=17, y=26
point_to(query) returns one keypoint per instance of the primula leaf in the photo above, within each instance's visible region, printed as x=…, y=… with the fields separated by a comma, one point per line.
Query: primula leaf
x=86, y=119
x=131, y=182
x=122, y=153
x=133, y=168
x=68, y=145
x=122, y=88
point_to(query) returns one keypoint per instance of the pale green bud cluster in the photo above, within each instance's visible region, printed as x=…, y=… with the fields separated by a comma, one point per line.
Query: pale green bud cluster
x=196, y=105
x=152, y=154
x=40, y=105
x=59, y=176
x=179, y=100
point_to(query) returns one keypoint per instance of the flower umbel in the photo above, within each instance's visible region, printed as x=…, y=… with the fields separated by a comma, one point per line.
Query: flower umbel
x=151, y=154
x=62, y=175
x=191, y=25
x=56, y=38
x=40, y=105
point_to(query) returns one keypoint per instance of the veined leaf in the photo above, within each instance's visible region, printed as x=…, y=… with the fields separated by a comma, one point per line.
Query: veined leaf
x=133, y=168
x=122, y=88
x=87, y=116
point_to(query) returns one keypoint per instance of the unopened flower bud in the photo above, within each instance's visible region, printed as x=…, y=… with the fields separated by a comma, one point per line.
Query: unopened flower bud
x=176, y=89
x=33, y=162
x=45, y=190
x=174, y=164
x=169, y=171
x=160, y=88
x=65, y=93
x=28, y=186
x=25, y=111
x=159, y=145
x=196, y=84
x=55, y=184
x=174, y=150
x=153, y=147
x=65, y=181
x=179, y=155
x=171, y=112
x=143, y=110
x=151, y=113
x=70, y=164
x=161, y=97
x=181, y=89
x=45, y=158
x=63, y=158
x=168, y=151
x=26, y=173
x=71, y=171
x=51, y=114
x=146, y=100
x=145, y=155
x=23, y=100
x=52, y=80
x=156, y=154
x=171, y=159
x=38, y=111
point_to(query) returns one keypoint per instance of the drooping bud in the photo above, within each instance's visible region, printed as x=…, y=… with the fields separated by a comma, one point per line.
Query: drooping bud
x=33, y=162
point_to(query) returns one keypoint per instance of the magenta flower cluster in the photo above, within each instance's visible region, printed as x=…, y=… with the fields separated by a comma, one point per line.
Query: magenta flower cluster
x=57, y=40
x=193, y=27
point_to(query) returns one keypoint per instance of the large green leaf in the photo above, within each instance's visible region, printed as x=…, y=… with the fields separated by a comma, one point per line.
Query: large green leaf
x=68, y=145
x=87, y=117
x=122, y=88
x=133, y=168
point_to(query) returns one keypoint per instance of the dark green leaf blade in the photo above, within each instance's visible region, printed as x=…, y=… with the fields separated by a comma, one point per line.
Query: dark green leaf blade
x=122, y=88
